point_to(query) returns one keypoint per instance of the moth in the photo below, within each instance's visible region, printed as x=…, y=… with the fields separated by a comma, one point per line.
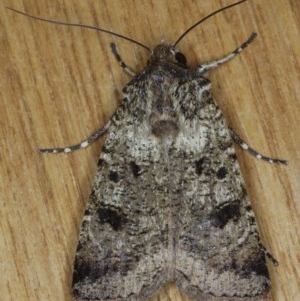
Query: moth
x=169, y=203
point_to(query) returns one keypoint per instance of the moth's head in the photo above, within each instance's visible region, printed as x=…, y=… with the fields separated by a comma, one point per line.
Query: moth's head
x=167, y=52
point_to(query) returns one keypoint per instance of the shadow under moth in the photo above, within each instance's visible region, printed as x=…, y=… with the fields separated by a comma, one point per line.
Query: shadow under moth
x=169, y=203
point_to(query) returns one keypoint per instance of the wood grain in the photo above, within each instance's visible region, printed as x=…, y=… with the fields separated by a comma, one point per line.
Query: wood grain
x=59, y=84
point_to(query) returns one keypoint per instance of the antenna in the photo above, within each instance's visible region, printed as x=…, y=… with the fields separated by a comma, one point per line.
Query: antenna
x=207, y=17
x=81, y=25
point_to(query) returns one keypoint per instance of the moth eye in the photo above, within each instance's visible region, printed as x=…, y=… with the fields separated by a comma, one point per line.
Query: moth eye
x=180, y=58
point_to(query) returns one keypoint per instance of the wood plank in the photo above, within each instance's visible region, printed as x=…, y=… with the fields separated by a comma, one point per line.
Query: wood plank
x=59, y=84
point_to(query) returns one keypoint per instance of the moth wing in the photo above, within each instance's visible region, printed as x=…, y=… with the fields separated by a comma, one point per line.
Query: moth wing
x=123, y=248
x=161, y=212
x=218, y=252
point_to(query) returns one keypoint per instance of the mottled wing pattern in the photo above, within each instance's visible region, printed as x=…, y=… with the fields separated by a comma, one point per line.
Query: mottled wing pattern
x=123, y=249
x=217, y=248
x=168, y=202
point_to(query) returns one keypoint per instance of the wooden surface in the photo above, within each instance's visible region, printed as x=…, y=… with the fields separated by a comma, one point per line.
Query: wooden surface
x=59, y=84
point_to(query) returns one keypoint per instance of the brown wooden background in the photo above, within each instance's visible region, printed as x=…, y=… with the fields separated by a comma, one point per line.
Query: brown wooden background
x=59, y=84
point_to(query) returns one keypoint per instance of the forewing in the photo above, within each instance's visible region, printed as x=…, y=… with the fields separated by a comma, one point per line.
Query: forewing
x=169, y=210
x=218, y=254
x=123, y=248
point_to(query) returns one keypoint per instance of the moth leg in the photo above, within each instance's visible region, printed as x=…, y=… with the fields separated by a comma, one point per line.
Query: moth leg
x=120, y=61
x=253, y=152
x=210, y=65
x=82, y=144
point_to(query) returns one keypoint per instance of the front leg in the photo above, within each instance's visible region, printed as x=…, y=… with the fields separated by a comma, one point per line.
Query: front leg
x=120, y=61
x=213, y=64
x=71, y=148
x=253, y=152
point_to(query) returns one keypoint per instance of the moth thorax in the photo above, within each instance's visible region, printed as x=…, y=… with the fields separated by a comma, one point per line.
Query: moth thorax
x=162, y=52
